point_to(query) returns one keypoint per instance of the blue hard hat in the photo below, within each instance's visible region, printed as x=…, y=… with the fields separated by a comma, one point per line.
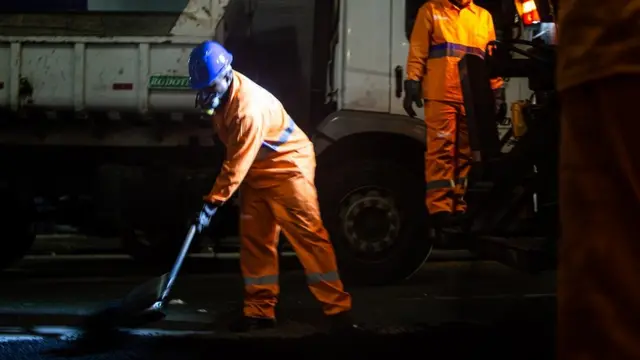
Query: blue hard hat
x=206, y=62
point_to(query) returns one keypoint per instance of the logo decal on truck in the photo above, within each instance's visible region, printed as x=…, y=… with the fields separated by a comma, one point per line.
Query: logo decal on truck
x=169, y=82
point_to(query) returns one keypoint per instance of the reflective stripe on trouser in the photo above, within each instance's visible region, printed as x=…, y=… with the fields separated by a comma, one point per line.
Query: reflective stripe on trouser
x=448, y=156
x=293, y=206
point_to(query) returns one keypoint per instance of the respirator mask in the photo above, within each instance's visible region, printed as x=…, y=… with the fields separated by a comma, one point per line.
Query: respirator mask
x=209, y=99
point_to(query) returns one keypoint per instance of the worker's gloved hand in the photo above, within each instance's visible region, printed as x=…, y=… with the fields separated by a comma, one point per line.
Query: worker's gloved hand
x=204, y=218
x=412, y=95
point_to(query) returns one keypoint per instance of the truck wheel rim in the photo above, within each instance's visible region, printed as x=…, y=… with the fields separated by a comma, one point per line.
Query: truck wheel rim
x=370, y=220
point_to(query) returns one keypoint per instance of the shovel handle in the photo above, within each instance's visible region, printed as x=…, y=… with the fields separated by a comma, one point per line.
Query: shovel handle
x=178, y=264
x=173, y=274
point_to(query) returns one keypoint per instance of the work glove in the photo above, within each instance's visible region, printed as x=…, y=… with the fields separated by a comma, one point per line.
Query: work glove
x=204, y=218
x=412, y=95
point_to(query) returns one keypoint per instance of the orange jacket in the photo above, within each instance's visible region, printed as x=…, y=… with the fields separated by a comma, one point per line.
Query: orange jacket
x=441, y=35
x=263, y=143
x=596, y=42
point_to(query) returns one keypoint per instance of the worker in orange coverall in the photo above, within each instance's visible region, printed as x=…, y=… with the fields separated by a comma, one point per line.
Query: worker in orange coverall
x=275, y=162
x=444, y=32
x=598, y=73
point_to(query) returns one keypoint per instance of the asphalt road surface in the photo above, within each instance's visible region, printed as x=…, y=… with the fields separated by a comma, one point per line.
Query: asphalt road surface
x=455, y=309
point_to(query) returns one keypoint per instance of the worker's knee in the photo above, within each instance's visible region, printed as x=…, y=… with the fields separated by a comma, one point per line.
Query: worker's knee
x=311, y=230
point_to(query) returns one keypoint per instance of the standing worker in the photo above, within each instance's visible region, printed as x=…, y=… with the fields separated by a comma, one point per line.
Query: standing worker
x=598, y=72
x=444, y=32
x=275, y=162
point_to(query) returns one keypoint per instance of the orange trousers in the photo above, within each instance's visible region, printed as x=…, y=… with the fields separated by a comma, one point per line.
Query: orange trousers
x=292, y=206
x=448, y=156
x=599, y=252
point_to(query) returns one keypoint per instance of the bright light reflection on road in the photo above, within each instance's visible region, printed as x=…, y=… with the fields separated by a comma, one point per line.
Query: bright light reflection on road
x=8, y=334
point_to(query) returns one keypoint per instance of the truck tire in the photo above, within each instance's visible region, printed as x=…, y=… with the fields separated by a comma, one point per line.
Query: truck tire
x=374, y=211
x=18, y=232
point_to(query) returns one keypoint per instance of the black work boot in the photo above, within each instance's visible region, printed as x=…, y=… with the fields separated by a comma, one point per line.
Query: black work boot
x=441, y=219
x=460, y=217
x=246, y=324
x=449, y=223
x=343, y=324
x=460, y=221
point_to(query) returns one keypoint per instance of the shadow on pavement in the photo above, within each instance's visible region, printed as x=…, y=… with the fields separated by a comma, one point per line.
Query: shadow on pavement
x=453, y=340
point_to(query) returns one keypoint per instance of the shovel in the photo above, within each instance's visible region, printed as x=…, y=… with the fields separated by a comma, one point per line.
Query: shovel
x=145, y=303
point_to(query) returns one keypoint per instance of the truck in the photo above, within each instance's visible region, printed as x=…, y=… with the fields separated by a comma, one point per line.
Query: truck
x=99, y=133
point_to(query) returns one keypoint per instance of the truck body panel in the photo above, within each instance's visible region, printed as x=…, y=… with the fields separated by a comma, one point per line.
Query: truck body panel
x=119, y=63
x=89, y=73
x=364, y=65
x=182, y=18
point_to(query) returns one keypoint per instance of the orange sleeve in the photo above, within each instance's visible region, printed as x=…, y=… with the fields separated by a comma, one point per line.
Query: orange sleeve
x=495, y=82
x=419, y=43
x=245, y=139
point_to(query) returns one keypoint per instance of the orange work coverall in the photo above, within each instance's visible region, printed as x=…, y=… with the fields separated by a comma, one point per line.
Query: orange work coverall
x=275, y=162
x=598, y=73
x=441, y=36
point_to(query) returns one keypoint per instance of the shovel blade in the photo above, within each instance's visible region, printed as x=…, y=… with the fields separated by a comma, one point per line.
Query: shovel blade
x=144, y=303
x=145, y=295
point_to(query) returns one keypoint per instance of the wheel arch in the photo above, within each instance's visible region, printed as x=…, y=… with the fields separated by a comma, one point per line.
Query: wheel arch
x=365, y=134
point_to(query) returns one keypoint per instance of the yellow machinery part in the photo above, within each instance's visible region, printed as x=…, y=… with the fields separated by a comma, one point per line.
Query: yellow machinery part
x=518, y=122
